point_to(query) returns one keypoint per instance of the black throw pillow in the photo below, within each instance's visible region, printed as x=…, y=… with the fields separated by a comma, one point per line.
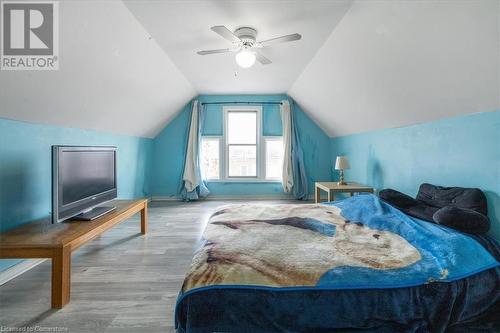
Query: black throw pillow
x=462, y=219
x=408, y=205
x=397, y=198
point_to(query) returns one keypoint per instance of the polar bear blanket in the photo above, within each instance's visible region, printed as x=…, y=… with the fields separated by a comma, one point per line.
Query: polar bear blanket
x=356, y=243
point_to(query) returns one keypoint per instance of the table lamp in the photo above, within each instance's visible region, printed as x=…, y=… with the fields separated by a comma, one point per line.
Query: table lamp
x=342, y=164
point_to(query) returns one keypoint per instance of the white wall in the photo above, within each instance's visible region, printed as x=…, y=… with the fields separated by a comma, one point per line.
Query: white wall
x=112, y=76
x=394, y=63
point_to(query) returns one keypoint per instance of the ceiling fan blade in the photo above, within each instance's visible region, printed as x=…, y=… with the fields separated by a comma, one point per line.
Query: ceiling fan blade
x=282, y=39
x=263, y=60
x=225, y=33
x=205, y=52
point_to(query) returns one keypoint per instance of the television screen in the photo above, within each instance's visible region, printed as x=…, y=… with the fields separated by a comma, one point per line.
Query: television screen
x=82, y=178
x=84, y=174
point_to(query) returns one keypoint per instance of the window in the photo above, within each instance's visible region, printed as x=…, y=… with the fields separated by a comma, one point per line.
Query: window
x=274, y=158
x=241, y=143
x=210, y=157
x=242, y=161
x=242, y=153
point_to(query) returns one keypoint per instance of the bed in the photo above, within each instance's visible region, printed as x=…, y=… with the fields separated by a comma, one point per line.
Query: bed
x=357, y=264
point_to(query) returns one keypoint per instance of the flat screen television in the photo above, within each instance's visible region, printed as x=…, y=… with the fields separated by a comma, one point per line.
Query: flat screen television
x=82, y=179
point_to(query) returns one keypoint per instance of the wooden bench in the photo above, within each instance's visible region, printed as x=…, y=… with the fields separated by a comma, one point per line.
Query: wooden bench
x=42, y=239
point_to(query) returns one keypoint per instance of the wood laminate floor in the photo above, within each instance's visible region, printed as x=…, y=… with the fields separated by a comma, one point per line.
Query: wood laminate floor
x=121, y=281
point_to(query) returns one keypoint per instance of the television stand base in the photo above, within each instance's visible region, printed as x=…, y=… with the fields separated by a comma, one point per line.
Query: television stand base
x=42, y=239
x=93, y=213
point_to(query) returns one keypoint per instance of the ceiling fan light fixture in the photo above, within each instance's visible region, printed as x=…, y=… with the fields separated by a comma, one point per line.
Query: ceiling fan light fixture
x=245, y=43
x=245, y=59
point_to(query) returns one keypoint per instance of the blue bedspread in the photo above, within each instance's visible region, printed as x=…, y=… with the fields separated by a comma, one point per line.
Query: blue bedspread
x=453, y=285
x=447, y=255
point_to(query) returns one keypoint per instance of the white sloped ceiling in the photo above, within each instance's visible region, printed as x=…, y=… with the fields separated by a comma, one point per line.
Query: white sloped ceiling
x=129, y=67
x=395, y=63
x=112, y=76
x=183, y=27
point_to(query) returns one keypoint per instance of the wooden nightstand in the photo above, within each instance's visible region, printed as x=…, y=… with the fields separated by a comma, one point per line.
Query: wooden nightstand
x=332, y=187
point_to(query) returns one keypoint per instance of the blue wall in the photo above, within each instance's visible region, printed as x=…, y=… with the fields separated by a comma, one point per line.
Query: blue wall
x=461, y=151
x=169, y=147
x=25, y=168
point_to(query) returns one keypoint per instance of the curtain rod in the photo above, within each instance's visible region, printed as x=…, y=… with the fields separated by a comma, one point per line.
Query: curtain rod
x=206, y=103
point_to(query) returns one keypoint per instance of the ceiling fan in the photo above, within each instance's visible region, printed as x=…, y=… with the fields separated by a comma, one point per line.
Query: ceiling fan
x=245, y=43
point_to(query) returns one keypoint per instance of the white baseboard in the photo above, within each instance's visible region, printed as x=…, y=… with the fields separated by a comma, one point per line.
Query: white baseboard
x=164, y=198
x=18, y=269
x=234, y=197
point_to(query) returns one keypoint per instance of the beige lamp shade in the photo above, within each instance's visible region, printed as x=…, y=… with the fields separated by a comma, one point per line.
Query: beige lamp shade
x=342, y=163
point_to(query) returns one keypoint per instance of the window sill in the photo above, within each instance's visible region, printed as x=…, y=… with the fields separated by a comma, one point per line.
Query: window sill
x=244, y=180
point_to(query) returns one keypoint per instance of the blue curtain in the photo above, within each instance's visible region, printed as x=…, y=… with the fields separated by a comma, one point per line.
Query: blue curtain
x=201, y=190
x=300, y=188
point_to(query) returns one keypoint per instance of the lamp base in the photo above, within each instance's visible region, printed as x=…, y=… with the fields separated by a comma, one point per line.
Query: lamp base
x=341, y=178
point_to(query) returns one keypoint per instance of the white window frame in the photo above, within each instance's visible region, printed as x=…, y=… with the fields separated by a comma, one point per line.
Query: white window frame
x=261, y=149
x=258, y=169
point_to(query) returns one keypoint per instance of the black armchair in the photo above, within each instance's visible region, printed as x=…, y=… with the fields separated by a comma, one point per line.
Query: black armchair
x=464, y=209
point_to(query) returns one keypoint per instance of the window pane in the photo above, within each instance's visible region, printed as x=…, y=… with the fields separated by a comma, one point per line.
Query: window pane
x=242, y=127
x=209, y=158
x=242, y=161
x=274, y=158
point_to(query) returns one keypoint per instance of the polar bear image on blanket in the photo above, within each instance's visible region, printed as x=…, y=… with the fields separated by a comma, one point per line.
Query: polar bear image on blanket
x=289, y=245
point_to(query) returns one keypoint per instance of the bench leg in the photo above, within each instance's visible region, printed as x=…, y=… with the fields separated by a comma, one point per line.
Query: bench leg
x=61, y=277
x=144, y=219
